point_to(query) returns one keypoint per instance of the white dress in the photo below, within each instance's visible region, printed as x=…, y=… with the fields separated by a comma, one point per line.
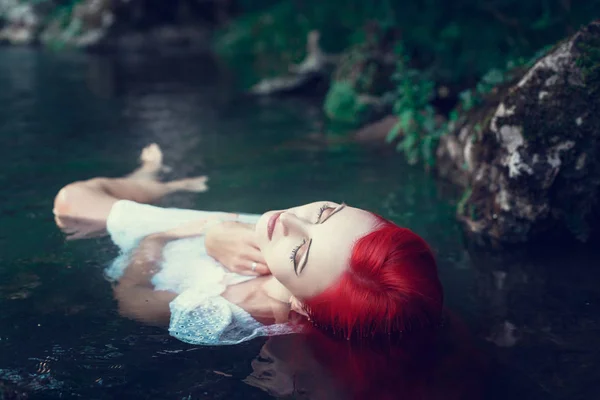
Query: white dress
x=199, y=314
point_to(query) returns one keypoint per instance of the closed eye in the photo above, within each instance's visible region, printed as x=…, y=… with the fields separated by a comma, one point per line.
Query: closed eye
x=324, y=215
x=299, y=255
x=294, y=256
x=323, y=208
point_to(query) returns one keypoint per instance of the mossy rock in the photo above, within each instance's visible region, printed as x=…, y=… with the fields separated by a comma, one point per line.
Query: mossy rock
x=531, y=155
x=362, y=77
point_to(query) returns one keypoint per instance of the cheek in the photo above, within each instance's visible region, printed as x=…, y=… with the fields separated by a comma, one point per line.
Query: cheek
x=277, y=261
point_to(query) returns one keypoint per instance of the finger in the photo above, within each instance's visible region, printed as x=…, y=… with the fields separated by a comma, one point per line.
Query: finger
x=243, y=266
x=251, y=257
x=262, y=269
x=246, y=269
x=255, y=255
x=253, y=243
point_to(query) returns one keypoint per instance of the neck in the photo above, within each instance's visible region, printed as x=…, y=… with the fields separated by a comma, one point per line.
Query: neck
x=276, y=291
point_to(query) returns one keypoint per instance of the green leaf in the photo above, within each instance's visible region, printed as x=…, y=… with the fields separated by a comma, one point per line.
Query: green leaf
x=493, y=77
x=429, y=124
x=393, y=133
x=453, y=116
x=406, y=119
x=409, y=142
x=466, y=98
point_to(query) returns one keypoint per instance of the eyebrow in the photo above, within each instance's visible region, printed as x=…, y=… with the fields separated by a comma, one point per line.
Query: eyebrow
x=304, y=261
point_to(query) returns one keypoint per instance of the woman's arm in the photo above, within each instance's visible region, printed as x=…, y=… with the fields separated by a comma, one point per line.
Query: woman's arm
x=144, y=304
x=134, y=292
x=230, y=243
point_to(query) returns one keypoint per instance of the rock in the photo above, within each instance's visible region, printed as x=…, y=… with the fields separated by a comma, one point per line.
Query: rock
x=101, y=25
x=18, y=36
x=285, y=84
x=316, y=59
x=86, y=26
x=530, y=158
x=22, y=21
x=377, y=131
x=309, y=73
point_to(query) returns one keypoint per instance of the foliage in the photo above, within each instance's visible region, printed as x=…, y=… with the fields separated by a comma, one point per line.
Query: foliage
x=62, y=25
x=343, y=104
x=467, y=48
x=361, y=81
x=416, y=116
x=589, y=62
x=52, y=14
x=419, y=123
x=272, y=34
x=456, y=41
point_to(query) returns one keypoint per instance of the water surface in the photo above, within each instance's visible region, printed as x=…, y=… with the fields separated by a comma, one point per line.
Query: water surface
x=66, y=117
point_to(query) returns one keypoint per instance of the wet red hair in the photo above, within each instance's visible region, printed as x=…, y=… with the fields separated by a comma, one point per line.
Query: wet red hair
x=390, y=288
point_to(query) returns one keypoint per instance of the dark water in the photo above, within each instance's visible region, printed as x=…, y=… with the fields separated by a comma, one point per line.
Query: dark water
x=63, y=117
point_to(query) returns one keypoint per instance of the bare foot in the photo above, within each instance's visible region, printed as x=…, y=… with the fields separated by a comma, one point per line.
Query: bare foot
x=152, y=163
x=152, y=156
x=195, y=185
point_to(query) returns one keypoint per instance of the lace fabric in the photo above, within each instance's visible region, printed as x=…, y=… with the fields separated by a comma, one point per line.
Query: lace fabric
x=199, y=314
x=199, y=318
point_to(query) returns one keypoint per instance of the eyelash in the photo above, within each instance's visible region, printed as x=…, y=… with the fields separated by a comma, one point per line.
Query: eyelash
x=295, y=251
x=322, y=210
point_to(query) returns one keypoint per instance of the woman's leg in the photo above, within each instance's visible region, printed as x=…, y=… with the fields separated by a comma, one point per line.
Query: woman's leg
x=93, y=199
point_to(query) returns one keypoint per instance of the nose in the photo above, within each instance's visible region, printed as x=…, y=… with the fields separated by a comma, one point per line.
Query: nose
x=291, y=223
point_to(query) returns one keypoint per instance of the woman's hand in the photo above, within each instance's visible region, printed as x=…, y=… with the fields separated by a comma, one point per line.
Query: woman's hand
x=233, y=244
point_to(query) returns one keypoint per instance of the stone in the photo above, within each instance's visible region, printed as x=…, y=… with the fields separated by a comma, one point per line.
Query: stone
x=304, y=76
x=376, y=132
x=108, y=25
x=529, y=158
x=22, y=21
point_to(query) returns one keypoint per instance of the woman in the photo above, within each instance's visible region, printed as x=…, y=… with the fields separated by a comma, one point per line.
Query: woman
x=350, y=272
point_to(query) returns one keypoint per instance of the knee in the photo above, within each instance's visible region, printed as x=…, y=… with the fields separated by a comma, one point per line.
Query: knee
x=61, y=201
x=70, y=196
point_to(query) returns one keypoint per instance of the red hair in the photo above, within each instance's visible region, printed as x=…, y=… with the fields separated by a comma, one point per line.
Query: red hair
x=390, y=288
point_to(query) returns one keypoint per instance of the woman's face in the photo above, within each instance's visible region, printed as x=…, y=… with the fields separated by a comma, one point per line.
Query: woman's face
x=307, y=248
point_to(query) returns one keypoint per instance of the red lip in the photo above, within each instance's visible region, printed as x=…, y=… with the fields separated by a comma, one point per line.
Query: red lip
x=271, y=224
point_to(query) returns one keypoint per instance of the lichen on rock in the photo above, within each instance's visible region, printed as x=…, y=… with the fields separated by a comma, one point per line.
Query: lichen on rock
x=103, y=24
x=533, y=167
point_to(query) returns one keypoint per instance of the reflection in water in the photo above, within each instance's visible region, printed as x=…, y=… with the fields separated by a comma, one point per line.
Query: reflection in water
x=312, y=366
x=20, y=74
x=103, y=78
x=66, y=117
x=541, y=309
x=80, y=228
